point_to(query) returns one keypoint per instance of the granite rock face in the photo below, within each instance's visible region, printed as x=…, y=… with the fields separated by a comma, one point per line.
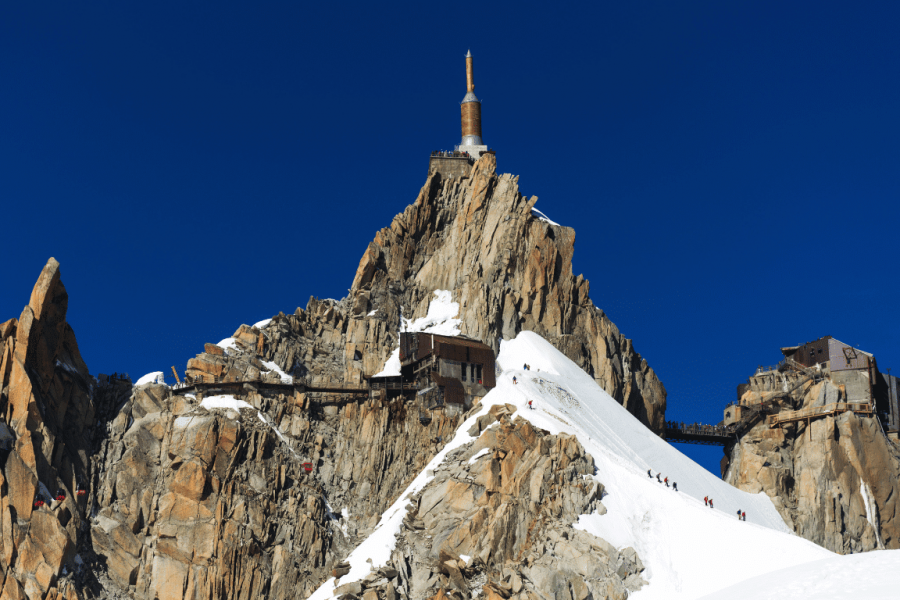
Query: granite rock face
x=46, y=401
x=196, y=503
x=508, y=268
x=506, y=502
x=267, y=497
x=835, y=479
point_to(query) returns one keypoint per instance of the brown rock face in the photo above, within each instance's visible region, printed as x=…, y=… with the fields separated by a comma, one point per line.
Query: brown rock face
x=508, y=269
x=46, y=400
x=510, y=511
x=198, y=504
x=821, y=475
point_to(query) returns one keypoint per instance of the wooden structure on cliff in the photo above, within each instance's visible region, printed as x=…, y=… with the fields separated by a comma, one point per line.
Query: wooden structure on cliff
x=815, y=412
x=447, y=370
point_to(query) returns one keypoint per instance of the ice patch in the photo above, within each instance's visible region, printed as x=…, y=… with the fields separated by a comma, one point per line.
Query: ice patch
x=441, y=318
x=228, y=344
x=154, y=377
x=262, y=324
x=228, y=401
x=391, y=366
x=478, y=455
x=871, y=512
x=542, y=217
x=285, y=378
x=182, y=422
x=372, y=314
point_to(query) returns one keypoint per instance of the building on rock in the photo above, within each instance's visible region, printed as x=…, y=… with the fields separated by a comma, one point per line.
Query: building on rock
x=448, y=370
x=855, y=384
x=818, y=434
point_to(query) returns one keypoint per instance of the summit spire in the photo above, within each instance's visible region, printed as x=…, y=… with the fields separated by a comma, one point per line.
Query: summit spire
x=471, y=114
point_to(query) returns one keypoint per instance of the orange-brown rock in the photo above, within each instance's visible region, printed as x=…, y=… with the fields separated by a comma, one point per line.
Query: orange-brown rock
x=819, y=473
x=509, y=268
x=47, y=401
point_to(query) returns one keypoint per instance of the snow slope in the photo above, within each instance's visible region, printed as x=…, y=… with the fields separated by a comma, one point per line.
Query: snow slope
x=154, y=377
x=873, y=576
x=687, y=548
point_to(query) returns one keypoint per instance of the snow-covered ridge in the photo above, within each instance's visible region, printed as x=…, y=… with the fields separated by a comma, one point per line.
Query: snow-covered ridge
x=688, y=549
x=154, y=377
x=542, y=217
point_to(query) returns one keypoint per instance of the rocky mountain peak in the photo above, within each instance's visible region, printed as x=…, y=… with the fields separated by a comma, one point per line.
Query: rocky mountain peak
x=46, y=398
x=510, y=269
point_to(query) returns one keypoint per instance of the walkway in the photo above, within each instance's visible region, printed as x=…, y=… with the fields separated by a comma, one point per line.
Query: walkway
x=806, y=414
x=698, y=433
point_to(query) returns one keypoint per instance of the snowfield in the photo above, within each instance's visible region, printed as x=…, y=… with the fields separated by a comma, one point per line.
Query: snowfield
x=688, y=549
x=870, y=576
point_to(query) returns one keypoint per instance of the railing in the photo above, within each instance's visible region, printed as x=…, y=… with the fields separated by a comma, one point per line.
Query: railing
x=767, y=368
x=819, y=411
x=451, y=154
x=385, y=385
x=698, y=428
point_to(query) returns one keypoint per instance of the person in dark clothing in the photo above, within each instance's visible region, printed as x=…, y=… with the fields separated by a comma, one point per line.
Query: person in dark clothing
x=739, y=514
x=648, y=474
x=658, y=479
x=514, y=380
x=675, y=485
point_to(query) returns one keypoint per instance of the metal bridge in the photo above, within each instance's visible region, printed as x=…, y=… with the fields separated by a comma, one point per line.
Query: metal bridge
x=698, y=433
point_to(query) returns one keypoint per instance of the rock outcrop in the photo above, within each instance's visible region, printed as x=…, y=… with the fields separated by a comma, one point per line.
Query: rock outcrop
x=197, y=503
x=46, y=399
x=506, y=502
x=165, y=496
x=509, y=268
x=834, y=479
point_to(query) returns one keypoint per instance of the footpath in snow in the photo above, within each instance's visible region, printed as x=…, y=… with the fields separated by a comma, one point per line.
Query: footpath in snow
x=688, y=549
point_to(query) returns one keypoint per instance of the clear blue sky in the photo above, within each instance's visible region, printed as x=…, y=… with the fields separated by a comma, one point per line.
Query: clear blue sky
x=732, y=169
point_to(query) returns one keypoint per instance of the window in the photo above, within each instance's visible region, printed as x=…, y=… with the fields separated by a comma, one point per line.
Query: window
x=478, y=373
x=463, y=369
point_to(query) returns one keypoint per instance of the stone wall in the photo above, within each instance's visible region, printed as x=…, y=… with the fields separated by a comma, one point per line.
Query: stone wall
x=449, y=166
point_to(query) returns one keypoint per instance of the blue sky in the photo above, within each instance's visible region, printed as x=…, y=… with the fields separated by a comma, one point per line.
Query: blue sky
x=731, y=169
